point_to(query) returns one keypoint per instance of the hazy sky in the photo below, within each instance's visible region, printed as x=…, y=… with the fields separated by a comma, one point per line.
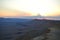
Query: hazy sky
x=44, y=7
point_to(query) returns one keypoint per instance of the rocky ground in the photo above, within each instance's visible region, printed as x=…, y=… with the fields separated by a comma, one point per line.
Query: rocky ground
x=53, y=35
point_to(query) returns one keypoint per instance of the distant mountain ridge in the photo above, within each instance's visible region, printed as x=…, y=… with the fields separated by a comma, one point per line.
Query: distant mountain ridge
x=13, y=20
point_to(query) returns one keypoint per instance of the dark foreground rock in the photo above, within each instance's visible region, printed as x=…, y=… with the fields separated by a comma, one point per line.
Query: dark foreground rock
x=17, y=29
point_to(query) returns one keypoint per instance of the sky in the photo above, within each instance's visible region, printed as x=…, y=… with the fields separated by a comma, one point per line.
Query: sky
x=30, y=7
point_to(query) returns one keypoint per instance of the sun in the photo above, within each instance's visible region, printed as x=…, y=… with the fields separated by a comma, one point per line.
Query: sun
x=32, y=6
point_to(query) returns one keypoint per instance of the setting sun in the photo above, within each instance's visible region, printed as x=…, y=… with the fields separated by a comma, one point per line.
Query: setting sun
x=43, y=7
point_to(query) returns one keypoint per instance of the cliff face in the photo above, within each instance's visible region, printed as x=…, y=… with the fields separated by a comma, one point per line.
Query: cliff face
x=12, y=28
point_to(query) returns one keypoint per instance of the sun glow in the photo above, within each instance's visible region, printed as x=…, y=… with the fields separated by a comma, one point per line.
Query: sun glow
x=32, y=6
